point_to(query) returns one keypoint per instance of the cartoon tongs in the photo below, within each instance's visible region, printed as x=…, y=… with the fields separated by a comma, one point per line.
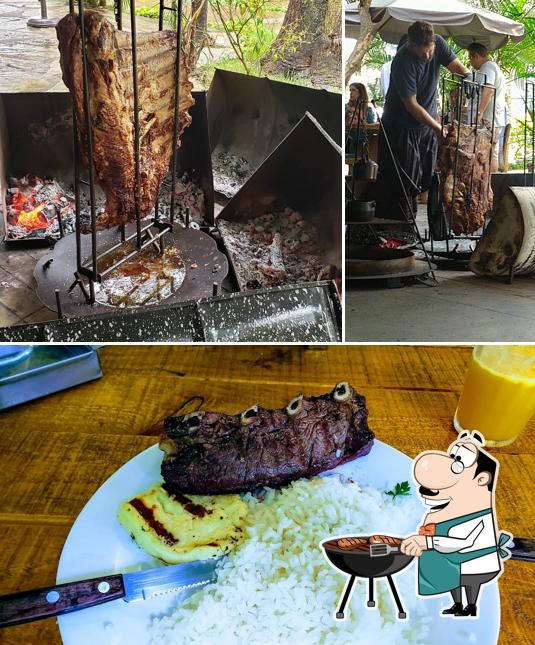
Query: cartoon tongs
x=457, y=546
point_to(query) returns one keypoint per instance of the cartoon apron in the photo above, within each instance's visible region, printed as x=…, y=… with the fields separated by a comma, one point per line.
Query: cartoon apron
x=441, y=572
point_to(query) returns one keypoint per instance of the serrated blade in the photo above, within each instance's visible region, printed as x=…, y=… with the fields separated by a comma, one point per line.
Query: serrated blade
x=142, y=585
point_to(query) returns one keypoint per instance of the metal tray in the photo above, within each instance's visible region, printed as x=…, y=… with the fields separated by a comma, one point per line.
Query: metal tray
x=47, y=369
x=308, y=312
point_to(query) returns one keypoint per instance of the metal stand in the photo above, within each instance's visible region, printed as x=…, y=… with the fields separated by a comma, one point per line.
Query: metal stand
x=401, y=613
x=529, y=110
x=144, y=235
x=44, y=20
x=340, y=612
x=410, y=216
x=371, y=601
x=472, y=90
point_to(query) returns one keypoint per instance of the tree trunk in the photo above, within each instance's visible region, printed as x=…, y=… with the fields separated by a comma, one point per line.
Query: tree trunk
x=367, y=33
x=200, y=34
x=309, y=42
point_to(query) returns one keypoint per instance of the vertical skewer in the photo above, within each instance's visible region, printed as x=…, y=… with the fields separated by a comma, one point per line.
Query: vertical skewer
x=177, y=110
x=137, y=194
x=58, y=304
x=87, y=112
x=160, y=27
x=119, y=14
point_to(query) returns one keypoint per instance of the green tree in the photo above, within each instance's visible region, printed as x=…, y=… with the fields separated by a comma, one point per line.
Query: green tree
x=516, y=60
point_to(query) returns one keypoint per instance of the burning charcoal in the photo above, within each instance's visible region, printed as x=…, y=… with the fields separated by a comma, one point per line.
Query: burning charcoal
x=269, y=250
x=188, y=194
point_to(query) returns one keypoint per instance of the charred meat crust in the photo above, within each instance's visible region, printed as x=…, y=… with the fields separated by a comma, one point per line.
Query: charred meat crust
x=109, y=59
x=210, y=452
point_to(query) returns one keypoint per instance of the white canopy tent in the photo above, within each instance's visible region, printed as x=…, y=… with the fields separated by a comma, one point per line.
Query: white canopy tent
x=462, y=22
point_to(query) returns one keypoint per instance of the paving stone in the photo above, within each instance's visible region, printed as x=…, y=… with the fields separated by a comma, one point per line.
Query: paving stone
x=16, y=296
x=7, y=317
x=41, y=315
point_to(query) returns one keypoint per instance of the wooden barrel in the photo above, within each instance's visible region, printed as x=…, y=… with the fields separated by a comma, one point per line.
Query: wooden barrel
x=508, y=243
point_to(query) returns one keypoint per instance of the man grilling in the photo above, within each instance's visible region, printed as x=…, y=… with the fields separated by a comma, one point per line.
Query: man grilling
x=457, y=545
x=410, y=119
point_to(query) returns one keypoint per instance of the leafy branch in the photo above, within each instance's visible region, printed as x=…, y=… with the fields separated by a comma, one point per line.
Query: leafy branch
x=401, y=489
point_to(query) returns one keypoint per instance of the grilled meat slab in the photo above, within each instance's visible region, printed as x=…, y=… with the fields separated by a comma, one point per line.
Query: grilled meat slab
x=211, y=452
x=109, y=56
x=473, y=196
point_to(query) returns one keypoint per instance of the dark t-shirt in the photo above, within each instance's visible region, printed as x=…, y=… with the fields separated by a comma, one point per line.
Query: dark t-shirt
x=411, y=76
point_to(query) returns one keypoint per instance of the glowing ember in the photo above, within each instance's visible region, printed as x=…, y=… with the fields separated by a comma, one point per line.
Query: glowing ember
x=33, y=219
x=33, y=207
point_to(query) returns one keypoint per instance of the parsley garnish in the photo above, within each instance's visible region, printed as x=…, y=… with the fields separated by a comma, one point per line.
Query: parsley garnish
x=400, y=489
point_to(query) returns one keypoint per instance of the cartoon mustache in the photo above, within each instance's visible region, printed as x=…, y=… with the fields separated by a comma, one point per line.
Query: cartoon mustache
x=428, y=492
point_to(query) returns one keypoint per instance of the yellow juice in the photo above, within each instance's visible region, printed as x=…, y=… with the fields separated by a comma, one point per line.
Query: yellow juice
x=498, y=397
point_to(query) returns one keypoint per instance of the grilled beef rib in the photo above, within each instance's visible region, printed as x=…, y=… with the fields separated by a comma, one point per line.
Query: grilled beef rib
x=211, y=452
x=473, y=196
x=109, y=57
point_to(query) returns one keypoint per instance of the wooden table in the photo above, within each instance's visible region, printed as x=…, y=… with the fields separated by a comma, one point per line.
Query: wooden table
x=54, y=453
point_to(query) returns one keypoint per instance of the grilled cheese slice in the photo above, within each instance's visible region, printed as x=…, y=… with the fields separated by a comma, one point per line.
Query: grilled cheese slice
x=177, y=528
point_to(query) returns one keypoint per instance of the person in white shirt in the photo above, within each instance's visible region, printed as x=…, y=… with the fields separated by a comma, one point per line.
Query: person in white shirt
x=488, y=73
x=457, y=545
x=384, y=81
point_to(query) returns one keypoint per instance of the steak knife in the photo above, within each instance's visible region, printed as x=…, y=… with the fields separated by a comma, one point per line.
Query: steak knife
x=522, y=549
x=26, y=606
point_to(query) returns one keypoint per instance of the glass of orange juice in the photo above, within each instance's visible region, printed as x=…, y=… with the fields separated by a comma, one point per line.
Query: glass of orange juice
x=498, y=396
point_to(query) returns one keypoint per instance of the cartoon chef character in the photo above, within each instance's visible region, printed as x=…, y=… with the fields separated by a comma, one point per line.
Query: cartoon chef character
x=457, y=546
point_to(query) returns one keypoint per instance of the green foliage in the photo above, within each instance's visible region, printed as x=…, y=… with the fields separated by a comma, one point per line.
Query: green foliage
x=232, y=64
x=516, y=60
x=401, y=489
x=521, y=132
x=376, y=56
x=149, y=12
x=257, y=40
x=243, y=24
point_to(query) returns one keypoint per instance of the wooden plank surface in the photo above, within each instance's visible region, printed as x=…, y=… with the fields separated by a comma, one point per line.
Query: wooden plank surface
x=54, y=453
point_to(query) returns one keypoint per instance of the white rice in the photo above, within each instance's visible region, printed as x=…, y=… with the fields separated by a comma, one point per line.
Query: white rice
x=277, y=587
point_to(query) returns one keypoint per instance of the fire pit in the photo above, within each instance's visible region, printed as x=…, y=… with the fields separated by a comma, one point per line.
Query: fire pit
x=250, y=116
x=38, y=208
x=191, y=267
x=284, y=225
x=372, y=261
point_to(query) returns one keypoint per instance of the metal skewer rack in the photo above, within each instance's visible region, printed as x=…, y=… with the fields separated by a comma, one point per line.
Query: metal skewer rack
x=471, y=89
x=145, y=235
x=424, y=269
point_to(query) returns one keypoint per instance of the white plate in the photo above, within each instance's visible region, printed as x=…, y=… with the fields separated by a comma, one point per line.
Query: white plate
x=97, y=545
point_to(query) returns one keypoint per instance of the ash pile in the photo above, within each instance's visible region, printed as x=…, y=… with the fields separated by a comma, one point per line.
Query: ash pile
x=188, y=195
x=230, y=171
x=276, y=248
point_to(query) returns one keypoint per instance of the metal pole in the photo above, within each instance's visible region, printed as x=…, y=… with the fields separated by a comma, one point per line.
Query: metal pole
x=526, y=134
x=119, y=14
x=44, y=20
x=461, y=88
x=177, y=110
x=532, y=133
x=160, y=16
x=137, y=198
x=58, y=303
x=76, y=161
x=87, y=109
x=160, y=27
x=478, y=95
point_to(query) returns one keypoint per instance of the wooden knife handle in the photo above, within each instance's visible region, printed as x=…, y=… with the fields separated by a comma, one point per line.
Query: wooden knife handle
x=25, y=606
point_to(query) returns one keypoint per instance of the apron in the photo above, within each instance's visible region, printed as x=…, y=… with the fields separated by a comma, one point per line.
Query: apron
x=441, y=572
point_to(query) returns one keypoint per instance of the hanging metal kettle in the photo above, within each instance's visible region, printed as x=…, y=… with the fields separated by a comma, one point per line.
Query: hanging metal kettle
x=365, y=168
